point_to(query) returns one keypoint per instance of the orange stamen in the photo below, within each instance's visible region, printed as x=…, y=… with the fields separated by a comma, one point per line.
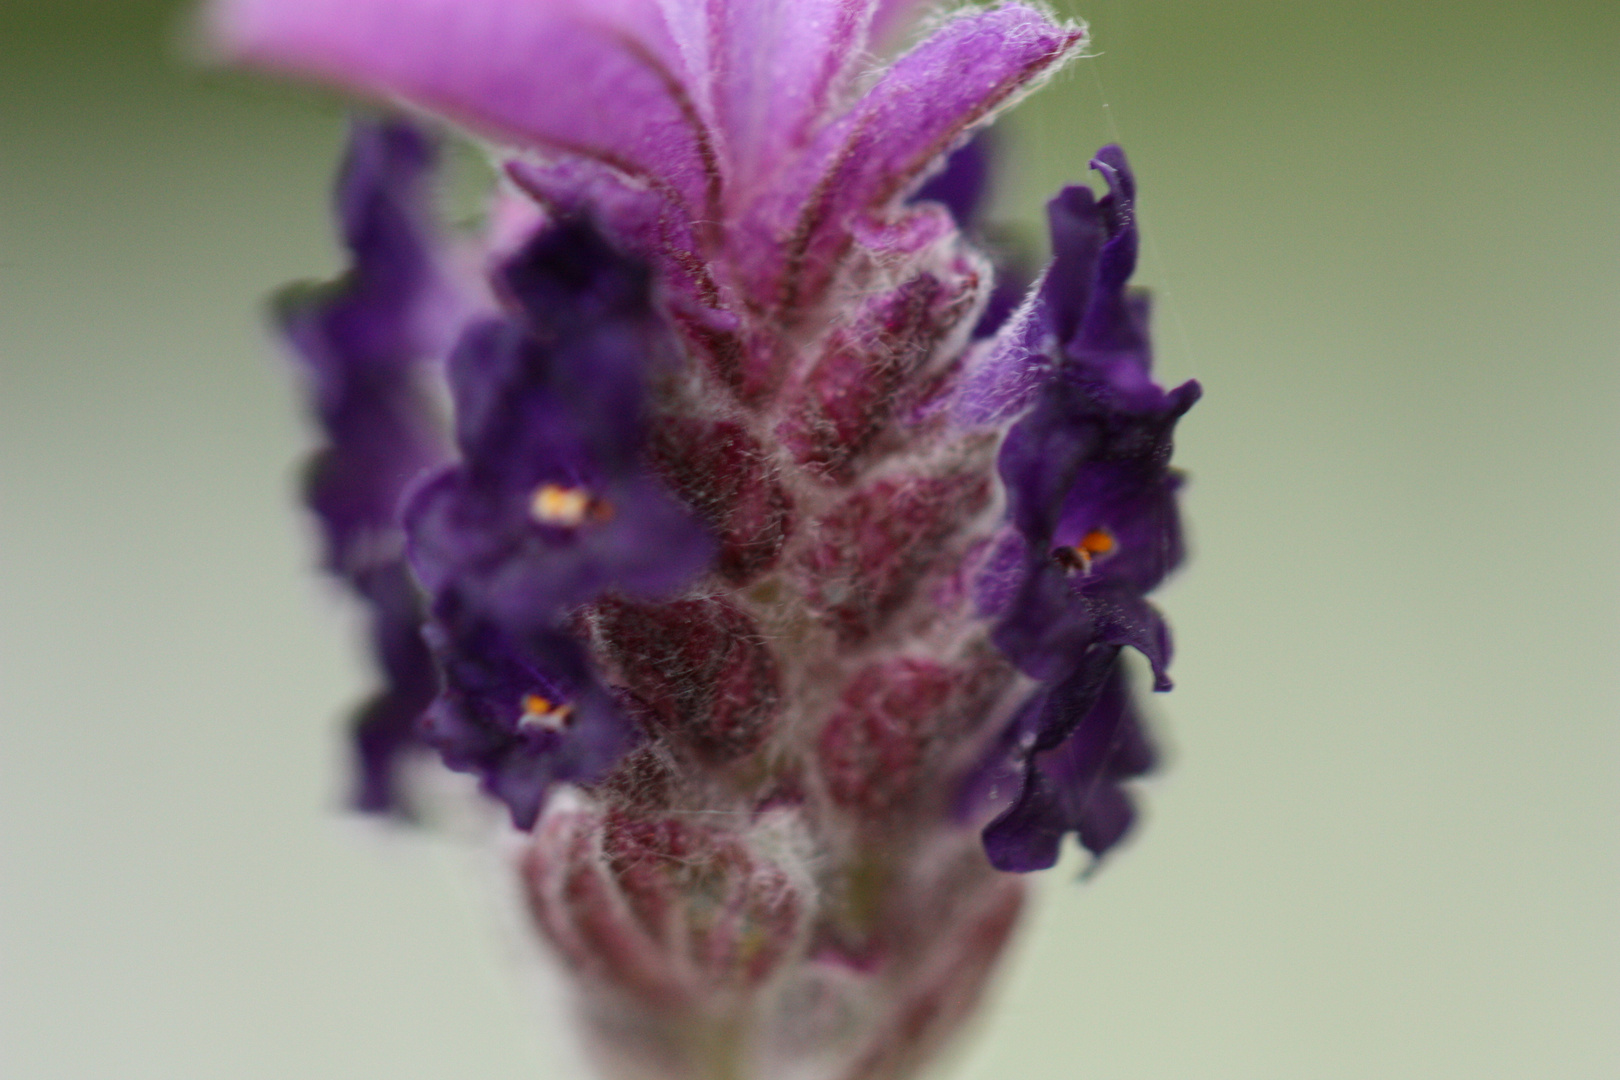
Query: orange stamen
x=567, y=507
x=542, y=712
x=1097, y=542
x=1093, y=545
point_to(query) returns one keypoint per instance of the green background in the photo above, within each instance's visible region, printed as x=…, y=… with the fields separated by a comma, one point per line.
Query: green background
x=1386, y=236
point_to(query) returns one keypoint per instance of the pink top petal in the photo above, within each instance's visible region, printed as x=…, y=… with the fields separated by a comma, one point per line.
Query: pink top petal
x=924, y=104
x=601, y=78
x=779, y=66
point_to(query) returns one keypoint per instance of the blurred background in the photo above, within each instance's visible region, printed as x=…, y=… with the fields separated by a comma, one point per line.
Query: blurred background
x=1386, y=237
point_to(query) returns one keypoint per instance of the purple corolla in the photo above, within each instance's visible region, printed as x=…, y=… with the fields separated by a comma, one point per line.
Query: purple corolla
x=370, y=342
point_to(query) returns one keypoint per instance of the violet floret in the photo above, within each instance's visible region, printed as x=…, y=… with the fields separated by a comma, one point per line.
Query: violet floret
x=1093, y=522
x=551, y=504
x=522, y=710
x=369, y=340
x=1081, y=741
x=550, y=507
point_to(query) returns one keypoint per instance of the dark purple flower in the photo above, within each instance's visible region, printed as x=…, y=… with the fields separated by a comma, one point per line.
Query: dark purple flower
x=552, y=503
x=369, y=341
x=1090, y=491
x=520, y=709
x=1090, y=501
x=963, y=184
x=551, y=506
x=1066, y=755
x=1091, y=497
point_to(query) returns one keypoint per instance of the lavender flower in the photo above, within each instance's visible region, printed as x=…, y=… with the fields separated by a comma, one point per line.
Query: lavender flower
x=369, y=341
x=768, y=556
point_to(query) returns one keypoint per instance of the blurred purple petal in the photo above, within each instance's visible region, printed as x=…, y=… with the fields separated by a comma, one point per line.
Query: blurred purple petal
x=386, y=729
x=893, y=16
x=370, y=340
x=601, y=78
x=522, y=711
x=778, y=66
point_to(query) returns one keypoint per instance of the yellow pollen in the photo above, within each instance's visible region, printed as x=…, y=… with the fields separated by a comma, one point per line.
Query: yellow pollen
x=539, y=711
x=553, y=504
x=1097, y=542
x=1094, y=544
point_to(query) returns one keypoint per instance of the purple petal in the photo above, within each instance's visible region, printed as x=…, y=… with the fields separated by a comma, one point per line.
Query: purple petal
x=1078, y=229
x=923, y=105
x=378, y=315
x=521, y=711
x=551, y=399
x=1108, y=325
x=964, y=182
x=602, y=78
x=370, y=340
x=1043, y=454
x=1051, y=621
x=366, y=339
x=1123, y=617
x=1081, y=303
x=1075, y=785
x=385, y=730
x=1094, y=246
x=1136, y=507
x=930, y=98
x=1073, y=465
x=893, y=17
x=777, y=67
x=1004, y=375
x=1101, y=326
x=1046, y=627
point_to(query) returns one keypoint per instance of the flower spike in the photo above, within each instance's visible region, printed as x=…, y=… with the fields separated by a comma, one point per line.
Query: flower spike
x=727, y=509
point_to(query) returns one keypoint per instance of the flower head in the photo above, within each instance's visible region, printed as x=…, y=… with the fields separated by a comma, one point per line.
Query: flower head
x=767, y=556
